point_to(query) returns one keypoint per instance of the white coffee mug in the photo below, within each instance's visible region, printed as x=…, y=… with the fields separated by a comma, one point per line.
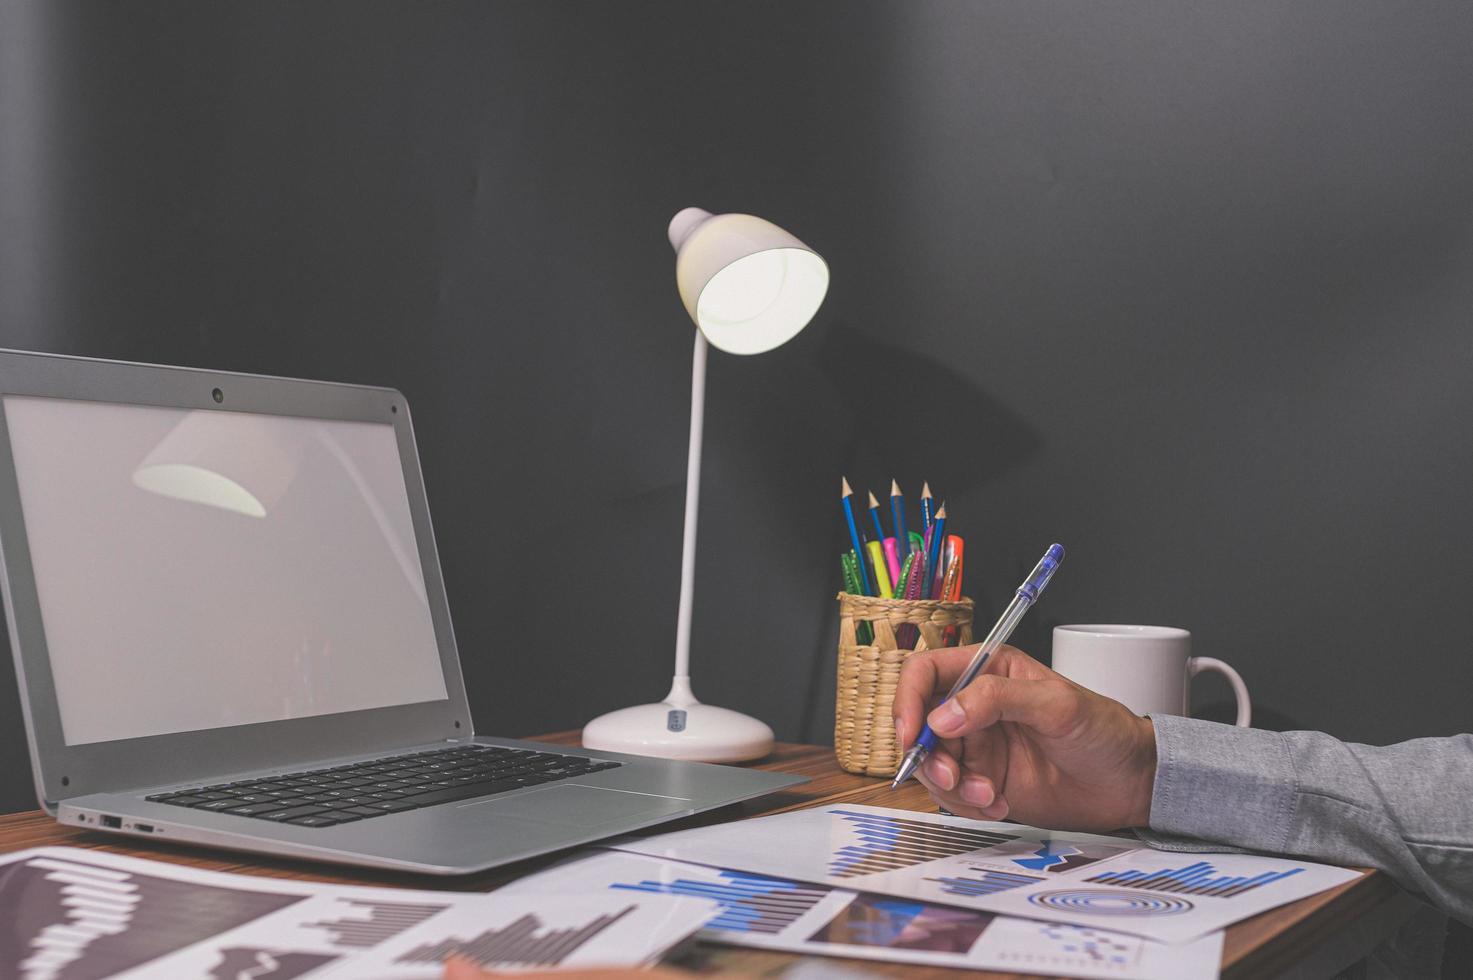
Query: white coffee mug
x=1149, y=669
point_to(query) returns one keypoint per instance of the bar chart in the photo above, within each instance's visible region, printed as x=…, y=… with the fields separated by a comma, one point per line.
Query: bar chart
x=749, y=903
x=888, y=843
x=237, y=962
x=520, y=943
x=986, y=883
x=377, y=922
x=1200, y=878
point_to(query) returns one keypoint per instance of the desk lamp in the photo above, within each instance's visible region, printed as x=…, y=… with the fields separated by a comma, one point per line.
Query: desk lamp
x=749, y=286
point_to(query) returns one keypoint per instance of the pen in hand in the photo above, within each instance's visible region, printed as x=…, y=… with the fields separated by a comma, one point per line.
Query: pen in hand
x=1026, y=596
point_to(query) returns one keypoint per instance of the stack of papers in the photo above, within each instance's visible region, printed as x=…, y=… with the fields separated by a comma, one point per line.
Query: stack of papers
x=925, y=888
x=66, y=912
x=817, y=920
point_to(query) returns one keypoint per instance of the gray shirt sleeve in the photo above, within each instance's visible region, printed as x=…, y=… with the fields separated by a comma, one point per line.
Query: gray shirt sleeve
x=1406, y=809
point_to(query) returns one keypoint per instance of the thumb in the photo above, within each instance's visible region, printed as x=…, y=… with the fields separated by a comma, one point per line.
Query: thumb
x=1048, y=705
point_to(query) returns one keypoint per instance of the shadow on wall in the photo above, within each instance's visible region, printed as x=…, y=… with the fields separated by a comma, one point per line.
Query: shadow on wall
x=901, y=435
x=986, y=441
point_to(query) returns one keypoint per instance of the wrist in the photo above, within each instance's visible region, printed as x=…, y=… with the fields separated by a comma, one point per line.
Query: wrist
x=1144, y=769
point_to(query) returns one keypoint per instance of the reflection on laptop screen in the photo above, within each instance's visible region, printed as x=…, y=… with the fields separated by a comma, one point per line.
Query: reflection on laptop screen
x=202, y=569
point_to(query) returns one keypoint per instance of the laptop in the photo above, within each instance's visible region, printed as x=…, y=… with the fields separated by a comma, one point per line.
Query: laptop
x=230, y=629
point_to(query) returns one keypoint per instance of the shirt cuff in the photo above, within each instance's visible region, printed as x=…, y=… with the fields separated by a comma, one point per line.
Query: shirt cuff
x=1222, y=783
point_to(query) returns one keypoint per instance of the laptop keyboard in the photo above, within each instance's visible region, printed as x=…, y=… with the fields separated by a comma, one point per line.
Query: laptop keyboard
x=327, y=797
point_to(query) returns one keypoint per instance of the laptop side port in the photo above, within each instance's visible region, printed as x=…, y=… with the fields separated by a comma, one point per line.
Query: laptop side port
x=143, y=828
x=110, y=822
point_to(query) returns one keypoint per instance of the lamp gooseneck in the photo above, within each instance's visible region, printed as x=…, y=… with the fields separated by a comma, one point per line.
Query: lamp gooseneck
x=680, y=690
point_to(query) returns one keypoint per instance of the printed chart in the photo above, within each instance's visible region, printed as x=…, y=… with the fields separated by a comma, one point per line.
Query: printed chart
x=526, y=930
x=1200, y=878
x=888, y=842
x=1084, y=879
x=371, y=923
x=982, y=883
x=69, y=914
x=73, y=920
x=773, y=913
x=749, y=903
x=526, y=942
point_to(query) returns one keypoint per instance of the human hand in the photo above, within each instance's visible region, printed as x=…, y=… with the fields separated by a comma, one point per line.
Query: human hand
x=460, y=968
x=1021, y=740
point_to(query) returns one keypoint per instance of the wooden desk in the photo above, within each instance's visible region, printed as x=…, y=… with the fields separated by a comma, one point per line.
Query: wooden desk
x=1351, y=917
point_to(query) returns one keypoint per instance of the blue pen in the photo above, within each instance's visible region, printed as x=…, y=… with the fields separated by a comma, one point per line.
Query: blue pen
x=1026, y=596
x=864, y=580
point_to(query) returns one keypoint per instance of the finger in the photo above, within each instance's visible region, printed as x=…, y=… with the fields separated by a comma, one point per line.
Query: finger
x=953, y=802
x=1049, y=706
x=943, y=771
x=979, y=791
x=924, y=676
x=460, y=968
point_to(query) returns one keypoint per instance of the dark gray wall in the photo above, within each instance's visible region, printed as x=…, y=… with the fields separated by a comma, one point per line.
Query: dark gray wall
x=1186, y=288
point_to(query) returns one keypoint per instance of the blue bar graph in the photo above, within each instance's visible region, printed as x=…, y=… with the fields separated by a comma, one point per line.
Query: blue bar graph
x=1194, y=879
x=749, y=903
x=989, y=883
x=887, y=843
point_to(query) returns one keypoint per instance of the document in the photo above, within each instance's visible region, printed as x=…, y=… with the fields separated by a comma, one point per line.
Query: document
x=80, y=914
x=1086, y=879
x=818, y=920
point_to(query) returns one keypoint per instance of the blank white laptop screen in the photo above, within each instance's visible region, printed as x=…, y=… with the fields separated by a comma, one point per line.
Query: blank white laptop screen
x=202, y=569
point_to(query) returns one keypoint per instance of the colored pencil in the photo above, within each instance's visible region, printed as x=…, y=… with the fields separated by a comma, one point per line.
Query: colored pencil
x=897, y=517
x=847, y=492
x=933, y=566
x=926, y=501
x=874, y=516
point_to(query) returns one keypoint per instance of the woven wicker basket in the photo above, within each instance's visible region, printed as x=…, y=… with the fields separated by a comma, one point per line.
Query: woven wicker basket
x=864, y=733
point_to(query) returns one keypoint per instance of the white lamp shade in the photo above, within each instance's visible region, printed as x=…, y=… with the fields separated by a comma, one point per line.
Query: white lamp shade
x=748, y=285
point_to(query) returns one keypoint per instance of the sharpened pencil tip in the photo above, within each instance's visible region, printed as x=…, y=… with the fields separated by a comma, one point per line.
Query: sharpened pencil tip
x=941, y=511
x=926, y=490
x=847, y=492
x=872, y=501
x=894, y=489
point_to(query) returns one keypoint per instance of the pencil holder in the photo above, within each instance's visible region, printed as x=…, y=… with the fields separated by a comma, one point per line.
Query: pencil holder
x=864, y=732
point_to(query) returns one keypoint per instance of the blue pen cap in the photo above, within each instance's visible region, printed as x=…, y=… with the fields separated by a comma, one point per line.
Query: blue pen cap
x=1038, y=579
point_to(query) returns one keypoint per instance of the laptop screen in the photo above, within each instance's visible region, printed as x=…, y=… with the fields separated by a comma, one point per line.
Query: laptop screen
x=203, y=569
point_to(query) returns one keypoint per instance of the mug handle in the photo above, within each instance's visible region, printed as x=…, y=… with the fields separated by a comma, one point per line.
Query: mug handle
x=1195, y=665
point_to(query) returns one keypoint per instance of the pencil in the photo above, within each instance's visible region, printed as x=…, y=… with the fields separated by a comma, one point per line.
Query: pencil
x=874, y=515
x=938, y=534
x=897, y=516
x=847, y=492
x=926, y=518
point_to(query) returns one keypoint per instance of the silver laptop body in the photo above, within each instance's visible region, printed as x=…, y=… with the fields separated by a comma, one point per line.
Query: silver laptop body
x=216, y=583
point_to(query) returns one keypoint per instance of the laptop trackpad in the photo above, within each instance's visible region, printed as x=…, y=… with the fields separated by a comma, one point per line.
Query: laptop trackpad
x=579, y=806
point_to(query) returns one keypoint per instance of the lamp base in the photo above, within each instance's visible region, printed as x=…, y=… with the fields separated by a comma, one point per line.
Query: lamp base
x=680, y=727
